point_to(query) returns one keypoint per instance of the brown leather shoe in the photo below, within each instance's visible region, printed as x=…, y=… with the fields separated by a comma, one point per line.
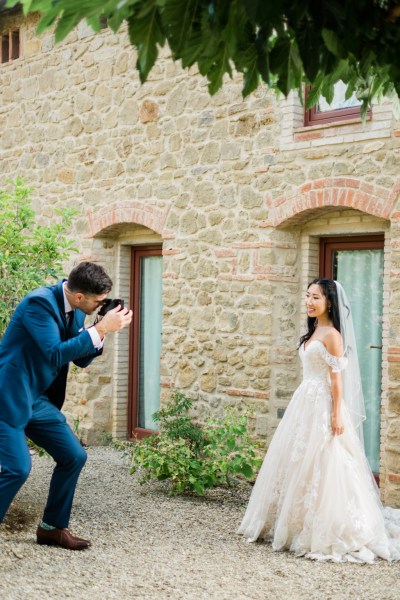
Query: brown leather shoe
x=60, y=537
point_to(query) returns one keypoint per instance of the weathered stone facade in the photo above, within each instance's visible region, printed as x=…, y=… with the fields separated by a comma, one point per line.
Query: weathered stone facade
x=237, y=191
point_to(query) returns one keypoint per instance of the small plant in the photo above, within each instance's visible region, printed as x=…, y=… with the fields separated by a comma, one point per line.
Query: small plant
x=37, y=449
x=31, y=255
x=193, y=457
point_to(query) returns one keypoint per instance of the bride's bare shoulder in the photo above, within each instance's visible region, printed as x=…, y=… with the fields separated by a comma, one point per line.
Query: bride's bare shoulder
x=333, y=341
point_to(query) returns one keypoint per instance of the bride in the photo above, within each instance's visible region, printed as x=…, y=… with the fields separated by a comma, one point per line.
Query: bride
x=315, y=494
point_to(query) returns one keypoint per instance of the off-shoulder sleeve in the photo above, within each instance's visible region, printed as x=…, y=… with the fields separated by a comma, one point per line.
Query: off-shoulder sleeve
x=337, y=363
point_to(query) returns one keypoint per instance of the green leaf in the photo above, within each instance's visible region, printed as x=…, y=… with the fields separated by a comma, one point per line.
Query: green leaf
x=199, y=488
x=179, y=22
x=64, y=26
x=311, y=49
x=247, y=471
x=332, y=42
x=327, y=91
x=313, y=96
x=145, y=32
x=285, y=61
x=231, y=444
x=216, y=71
x=249, y=66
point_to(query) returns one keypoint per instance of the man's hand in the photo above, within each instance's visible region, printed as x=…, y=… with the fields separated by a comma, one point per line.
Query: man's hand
x=115, y=320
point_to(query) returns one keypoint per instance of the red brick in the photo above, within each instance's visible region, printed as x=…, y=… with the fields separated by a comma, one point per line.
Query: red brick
x=349, y=198
x=318, y=183
x=303, y=137
x=253, y=245
x=279, y=200
x=367, y=187
x=352, y=183
x=170, y=252
x=339, y=182
x=247, y=393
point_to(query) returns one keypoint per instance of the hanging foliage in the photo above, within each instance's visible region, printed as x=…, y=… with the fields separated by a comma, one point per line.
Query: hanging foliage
x=284, y=43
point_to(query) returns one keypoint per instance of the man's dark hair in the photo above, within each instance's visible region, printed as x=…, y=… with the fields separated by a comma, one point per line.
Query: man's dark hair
x=89, y=278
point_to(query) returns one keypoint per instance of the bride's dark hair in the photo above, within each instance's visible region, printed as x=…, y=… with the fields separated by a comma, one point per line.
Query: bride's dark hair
x=328, y=289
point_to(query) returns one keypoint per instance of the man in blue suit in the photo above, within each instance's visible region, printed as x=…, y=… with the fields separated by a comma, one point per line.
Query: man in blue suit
x=45, y=334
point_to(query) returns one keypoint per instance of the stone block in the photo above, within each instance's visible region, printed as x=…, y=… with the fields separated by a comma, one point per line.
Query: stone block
x=261, y=426
x=180, y=318
x=186, y=375
x=208, y=381
x=393, y=395
x=227, y=321
x=249, y=198
x=230, y=151
x=148, y=111
x=32, y=47
x=256, y=323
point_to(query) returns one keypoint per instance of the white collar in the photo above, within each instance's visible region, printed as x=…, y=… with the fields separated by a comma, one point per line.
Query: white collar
x=67, y=306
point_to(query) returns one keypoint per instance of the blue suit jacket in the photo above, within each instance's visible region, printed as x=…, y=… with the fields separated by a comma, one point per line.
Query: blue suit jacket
x=35, y=353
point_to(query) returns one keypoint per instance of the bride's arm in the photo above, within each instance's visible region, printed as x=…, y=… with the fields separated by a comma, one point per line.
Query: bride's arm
x=333, y=344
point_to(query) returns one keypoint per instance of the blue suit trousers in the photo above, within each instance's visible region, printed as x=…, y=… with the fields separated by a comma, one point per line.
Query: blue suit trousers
x=48, y=429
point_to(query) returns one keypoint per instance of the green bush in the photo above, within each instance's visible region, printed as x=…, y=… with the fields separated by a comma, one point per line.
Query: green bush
x=31, y=255
x=193, y=457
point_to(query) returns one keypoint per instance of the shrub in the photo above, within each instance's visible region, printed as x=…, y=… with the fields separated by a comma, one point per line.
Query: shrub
x=195, y=457
x=31, y=255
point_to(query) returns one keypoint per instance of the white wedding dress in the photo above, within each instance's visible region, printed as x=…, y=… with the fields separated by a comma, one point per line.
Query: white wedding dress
x=315, y=494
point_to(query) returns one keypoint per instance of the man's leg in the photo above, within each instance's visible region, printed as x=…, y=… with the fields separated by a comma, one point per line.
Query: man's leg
x=49, y=430
x=15, y=464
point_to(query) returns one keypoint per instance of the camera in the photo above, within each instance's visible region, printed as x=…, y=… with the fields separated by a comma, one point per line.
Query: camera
x=109, y=304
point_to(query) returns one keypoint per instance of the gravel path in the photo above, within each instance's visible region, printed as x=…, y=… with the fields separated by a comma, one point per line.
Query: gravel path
x=148, y=545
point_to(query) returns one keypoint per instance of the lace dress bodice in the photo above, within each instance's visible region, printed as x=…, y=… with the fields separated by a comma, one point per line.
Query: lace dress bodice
x=317, y=360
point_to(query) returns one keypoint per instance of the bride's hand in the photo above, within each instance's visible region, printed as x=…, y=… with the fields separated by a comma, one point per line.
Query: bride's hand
x=337, y=425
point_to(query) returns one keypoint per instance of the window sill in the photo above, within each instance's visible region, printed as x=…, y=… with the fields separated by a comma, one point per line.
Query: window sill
x=316, y=127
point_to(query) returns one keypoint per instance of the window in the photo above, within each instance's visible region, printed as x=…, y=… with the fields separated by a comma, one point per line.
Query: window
x=340, y=109
x=145, y=348
x=10, y=45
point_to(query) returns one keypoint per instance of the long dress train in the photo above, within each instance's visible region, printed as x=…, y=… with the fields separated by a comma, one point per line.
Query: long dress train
x=315, y=493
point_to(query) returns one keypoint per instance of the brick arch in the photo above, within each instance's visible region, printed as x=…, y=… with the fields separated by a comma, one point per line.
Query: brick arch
x=118, y=215
x=329, y=194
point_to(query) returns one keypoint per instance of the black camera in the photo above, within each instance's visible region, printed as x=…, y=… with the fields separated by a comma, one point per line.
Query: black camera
x=109, y=304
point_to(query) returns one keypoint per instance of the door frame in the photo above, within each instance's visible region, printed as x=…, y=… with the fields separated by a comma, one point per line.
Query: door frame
x=327, y=247
x=137, y=252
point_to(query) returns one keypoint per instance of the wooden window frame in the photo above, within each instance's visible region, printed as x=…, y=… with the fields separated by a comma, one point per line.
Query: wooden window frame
x=10, y=45
x=313, y=117
x=137, y=252
x=360, y=242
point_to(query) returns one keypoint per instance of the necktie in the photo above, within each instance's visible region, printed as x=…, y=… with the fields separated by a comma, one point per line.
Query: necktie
x=70, y=319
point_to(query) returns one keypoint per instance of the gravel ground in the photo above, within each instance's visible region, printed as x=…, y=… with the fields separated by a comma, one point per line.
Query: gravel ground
x=149, y=545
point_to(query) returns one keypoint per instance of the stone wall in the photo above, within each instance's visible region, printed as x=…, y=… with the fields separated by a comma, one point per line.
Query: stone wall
x=237, y=192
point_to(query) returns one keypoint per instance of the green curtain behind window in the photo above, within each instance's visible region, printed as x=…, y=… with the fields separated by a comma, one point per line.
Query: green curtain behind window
x=361, y=274
x=150, y=329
